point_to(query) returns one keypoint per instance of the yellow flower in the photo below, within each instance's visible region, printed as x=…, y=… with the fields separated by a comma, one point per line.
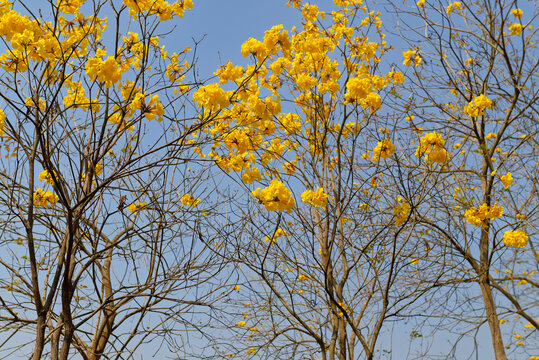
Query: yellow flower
x=315, y=198
x=44, y=198
x=45, y=175
x=420, y=3
x=251, y=351
x=189, y=200
x=432, y=145
x=517, y=13
x=414, y=261
x=275, y=197
x=136, y=207
x=401, y=211
x=507, y=179
x=383, y=149
x=2, y=120
x=98, y=168
x=411, y=56
x=515, y=238
x=515, y=29
x=241, y=323
x=478, y=216
x=456, y=5
x=477, y=106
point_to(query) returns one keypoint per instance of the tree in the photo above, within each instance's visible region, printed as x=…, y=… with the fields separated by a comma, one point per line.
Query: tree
x=321, y=276
x=474, y=92
x=99, y=242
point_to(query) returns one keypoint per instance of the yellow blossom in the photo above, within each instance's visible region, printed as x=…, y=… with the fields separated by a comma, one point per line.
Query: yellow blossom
x=275, y=197
x=189, y=200
x=315, y=198
x=515, y=29
x=411, y=56
x=136, y=207
x=45, y=175
x=517, y=13
x=383, y=149
x=477, y=106
x=44, y=198
x=515, y=238
x=455, y=5
x=507, y=179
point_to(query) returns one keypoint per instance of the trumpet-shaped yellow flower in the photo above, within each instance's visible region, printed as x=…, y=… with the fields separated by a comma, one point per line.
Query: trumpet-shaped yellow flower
x=136, y=207
x=383, y=149
x=479, y=216
x=44, y=198
x=190, y=200
x=515, y=238
x=275, y=197
x=315, y=198
x=507, y=179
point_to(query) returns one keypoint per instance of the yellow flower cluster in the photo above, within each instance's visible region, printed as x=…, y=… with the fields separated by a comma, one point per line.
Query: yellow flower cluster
x=75, y=96
x=383, y=149
x=251, y=175
x=278, y=233
x=515, y=238
x=152, y=109
x=517, y=13
x=479, y=216
x=515, y=29
x=432, y=145
x=162, y=8
x=401, y=211
x=2, y=122
x=229, y=72
x=315, y=198
x=212, y=97
x=362, y=89
x=69, y=6
x=275, y=197
x=190, y=200
x=45, y=175
x=44, y=198
x=455, y=5
x=107, y=71
x=136, y=207
x=478, y=105
x=410, y=57
x=507, y=179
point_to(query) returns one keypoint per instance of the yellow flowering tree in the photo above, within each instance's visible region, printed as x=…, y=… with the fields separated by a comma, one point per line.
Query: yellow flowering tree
x=96, y=245
x=470, y=117
x=319, y=238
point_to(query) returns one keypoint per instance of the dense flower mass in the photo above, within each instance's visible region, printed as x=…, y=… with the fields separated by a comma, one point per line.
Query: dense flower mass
x=411, y=57
x=432, y=145
x=515, y=29
x=136, y=207
x=44, y=198
x=190, y=200
x=515, y=238
x=212, y=97
x=47, y=176
x=477, y=106
x=315, y=198
x=383, y=149
x=401, y=211
x=507, y=179
x=275, y=197
x=479, y=216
